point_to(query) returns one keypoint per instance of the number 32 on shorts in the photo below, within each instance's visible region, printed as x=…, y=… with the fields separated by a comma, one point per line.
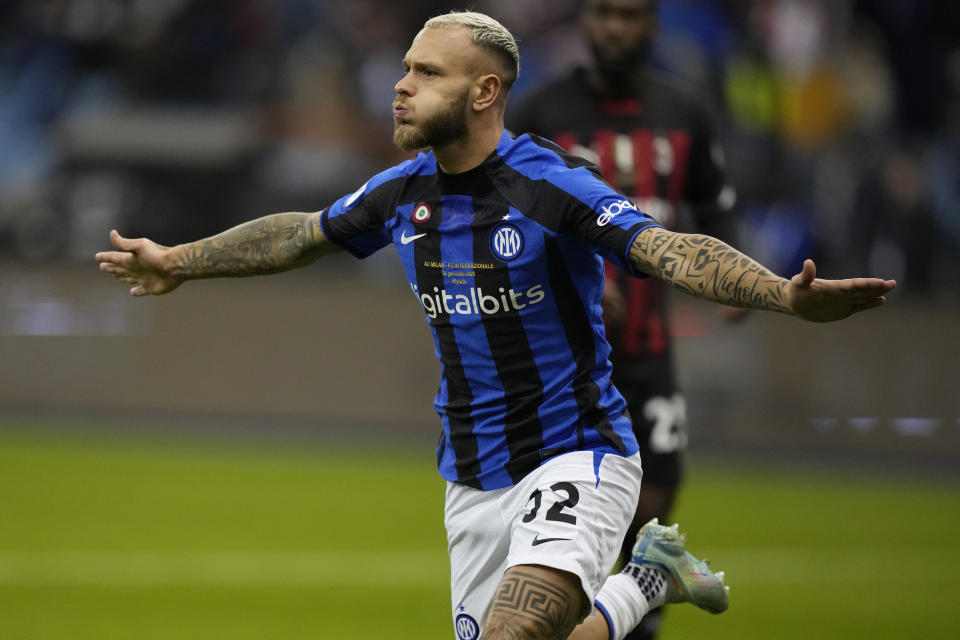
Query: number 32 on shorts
x=556, y=511
x=668, y=417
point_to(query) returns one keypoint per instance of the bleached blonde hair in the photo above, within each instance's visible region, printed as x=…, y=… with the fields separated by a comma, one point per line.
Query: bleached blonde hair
x=488, y=34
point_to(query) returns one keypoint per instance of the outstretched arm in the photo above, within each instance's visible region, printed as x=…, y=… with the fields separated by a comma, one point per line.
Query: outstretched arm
x=271, y=244
x=707, y=268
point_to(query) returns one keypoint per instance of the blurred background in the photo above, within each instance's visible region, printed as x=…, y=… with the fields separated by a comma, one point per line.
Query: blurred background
x=175, y=119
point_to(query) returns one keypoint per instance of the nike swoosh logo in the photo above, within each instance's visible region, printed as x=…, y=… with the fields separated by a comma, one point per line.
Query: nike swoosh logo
x=405, y=239
x=538, y=540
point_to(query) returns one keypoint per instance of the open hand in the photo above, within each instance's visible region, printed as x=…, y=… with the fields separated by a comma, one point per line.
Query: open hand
x=817, y=300
x=140, y=262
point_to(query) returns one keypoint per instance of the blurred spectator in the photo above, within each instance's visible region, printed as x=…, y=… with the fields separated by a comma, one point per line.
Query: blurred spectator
x=944, y=182
x=891, y=230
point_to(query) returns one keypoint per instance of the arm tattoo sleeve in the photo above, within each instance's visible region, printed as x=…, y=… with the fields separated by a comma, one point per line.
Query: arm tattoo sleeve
x=266, y=245
x=707, y=268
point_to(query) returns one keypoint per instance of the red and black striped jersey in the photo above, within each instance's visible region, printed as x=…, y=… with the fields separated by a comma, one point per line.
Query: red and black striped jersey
x=659, y=148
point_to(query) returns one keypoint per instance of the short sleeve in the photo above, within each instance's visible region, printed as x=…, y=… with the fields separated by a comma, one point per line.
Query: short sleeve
x=359, y=222
x=601, y=216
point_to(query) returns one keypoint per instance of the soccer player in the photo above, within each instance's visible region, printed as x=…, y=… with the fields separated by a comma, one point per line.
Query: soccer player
x=502, y=241
x=655, y=142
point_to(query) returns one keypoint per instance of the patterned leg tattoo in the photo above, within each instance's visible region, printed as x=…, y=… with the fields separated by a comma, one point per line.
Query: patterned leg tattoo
x=534, y=603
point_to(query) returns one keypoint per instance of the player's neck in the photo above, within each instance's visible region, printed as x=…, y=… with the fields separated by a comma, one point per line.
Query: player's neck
x=470, y=151
x=608, y=84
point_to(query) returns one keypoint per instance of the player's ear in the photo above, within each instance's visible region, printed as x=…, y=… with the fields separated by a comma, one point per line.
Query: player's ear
x=486, y=91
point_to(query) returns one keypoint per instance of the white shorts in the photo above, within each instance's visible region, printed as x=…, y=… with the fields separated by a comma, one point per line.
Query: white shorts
x=571, y=514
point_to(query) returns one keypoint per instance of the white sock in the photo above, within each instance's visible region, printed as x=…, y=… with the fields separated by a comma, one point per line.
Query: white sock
x=627, y=596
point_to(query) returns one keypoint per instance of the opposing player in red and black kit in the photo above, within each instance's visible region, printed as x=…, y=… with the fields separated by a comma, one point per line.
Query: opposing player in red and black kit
x=655, y=142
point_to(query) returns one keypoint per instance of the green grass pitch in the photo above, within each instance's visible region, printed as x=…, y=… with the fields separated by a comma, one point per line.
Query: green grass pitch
x=135, y=537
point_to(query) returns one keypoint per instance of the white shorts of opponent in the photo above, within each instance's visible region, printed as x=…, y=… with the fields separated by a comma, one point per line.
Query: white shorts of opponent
x=571, y=514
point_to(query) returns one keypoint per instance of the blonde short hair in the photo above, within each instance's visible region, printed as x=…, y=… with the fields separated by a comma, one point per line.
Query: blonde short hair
x=488, y=34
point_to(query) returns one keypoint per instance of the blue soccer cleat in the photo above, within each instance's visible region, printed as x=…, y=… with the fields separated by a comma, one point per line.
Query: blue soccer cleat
x=688, y=579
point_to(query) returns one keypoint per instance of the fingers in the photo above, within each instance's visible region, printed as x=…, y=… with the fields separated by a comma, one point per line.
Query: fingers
x=122, y=274
x=113, y=261
x=807, y=274
x=872, y=285
x=125, y=263
x=118, y=272
x=121, y=243
x=858, y=289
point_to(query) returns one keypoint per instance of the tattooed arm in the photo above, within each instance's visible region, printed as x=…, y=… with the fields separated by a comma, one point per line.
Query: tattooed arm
x=266, y=245
x=707, y=268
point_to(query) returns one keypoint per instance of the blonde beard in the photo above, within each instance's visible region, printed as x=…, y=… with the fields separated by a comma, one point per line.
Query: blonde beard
x=441, y=128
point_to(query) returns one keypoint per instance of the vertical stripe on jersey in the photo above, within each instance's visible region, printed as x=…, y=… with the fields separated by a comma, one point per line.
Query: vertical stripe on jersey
x=644, y=181
x=566, y=140
x=630, y=337
x=516, y=367
x=459, y=395
x=680, y=141
x=643, y=332
x=603, y=145
x=580, y=336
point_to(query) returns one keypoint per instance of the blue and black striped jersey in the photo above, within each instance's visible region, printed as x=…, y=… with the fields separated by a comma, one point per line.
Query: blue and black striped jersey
x=507, y=262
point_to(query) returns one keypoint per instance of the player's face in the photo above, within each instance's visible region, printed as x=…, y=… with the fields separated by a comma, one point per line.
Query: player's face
x=432, y=106
x=620, y=32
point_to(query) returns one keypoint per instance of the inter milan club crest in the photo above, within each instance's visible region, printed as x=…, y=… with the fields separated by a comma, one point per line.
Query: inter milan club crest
x=506, y=242
x=421, y=213
x=467, y=627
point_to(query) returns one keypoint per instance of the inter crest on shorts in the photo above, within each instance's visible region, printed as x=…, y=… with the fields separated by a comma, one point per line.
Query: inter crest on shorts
x=467, y=628
x=421, y=213
x=506, y=242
